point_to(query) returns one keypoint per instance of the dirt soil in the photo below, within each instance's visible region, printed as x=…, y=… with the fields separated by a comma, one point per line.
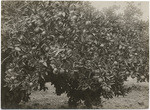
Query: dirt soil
x=138, y=98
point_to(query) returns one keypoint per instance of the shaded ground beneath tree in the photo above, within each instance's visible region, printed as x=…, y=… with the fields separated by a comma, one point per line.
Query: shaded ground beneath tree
x=137, y=99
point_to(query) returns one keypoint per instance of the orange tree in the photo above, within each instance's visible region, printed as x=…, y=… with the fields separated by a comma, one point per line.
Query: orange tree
x=84, y=53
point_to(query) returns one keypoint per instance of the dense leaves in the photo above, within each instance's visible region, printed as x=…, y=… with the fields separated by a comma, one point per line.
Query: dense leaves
x=82, y=52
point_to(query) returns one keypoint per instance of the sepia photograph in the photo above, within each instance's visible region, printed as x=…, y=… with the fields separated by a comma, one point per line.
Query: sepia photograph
x=74, y=54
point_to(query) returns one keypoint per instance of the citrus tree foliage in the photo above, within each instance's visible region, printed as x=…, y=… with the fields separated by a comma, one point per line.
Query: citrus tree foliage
x=84, y=53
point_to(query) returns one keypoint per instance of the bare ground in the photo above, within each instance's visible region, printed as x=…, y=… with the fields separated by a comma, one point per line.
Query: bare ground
x=138, y=98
